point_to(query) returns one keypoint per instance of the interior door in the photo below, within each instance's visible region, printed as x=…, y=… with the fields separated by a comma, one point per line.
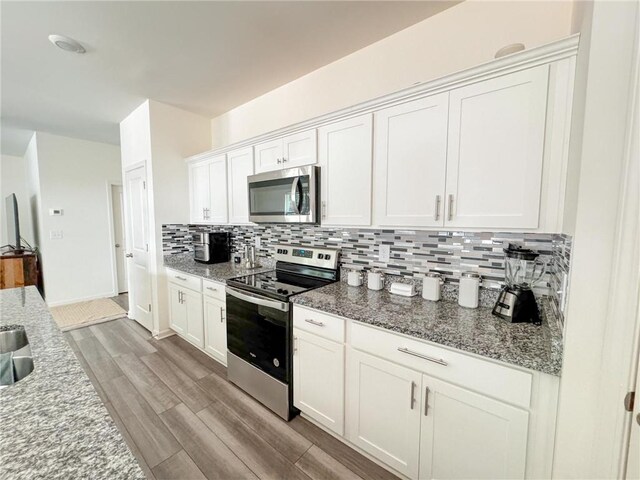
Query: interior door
x=137, y=222
x=117, y=198
x=410, y=162
x=495, y=151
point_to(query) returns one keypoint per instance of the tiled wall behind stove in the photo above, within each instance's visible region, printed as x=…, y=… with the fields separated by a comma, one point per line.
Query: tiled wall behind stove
x=413, y=253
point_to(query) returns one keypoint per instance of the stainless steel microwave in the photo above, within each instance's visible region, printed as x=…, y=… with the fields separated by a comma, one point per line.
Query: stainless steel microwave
x=285, y=196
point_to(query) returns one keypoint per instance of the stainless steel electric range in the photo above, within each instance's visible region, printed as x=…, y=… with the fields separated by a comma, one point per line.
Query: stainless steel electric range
x=259, y=323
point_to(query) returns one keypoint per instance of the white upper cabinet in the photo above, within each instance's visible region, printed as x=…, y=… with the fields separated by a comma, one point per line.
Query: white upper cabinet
x=208, y=190
x=467, y=435
x=240, y=165
x=287, y=152
x=410, y=163
x=495, y=151
x=345, y=158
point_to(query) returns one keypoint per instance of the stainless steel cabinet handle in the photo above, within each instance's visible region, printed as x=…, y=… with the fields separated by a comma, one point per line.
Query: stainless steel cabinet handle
x=212, y=289
x=129, y=255
x=284, y=159
x=314, y=322
x=179, y=296
x=278, y=160
x=181, y=278
x=324, y=209
x=222, y=315
x=295, y=344
x=437, y=212
x=426, y=401
x=413, y=388
x=439, y=361
x=450, y=217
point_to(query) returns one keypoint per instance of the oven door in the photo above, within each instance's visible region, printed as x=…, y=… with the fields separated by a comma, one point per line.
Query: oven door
x=284, y=196
x=259, y=331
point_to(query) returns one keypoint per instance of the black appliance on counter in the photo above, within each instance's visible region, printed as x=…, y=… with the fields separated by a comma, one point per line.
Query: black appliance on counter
x=259, y=323
x=516, y=302
x=212, y=247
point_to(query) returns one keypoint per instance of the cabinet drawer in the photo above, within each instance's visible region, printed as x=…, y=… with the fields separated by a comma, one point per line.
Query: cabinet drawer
x=185, y=280
x=505, y=383
x=213, y=289
x=321, y=324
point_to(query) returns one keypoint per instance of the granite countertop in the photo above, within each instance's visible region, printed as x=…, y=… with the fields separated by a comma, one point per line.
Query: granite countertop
x=52, y=422
x=219, y=272
x=446, y=323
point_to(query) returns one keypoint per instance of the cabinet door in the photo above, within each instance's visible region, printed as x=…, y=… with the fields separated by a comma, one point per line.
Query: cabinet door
x=318, y=379
x=345, y=154
x=383, y=410
x=177, y=310
x=410, y=163
x=240, y=165
x=268, y=156
x=195, y=323
x=467, y=435
x=299, y=149
x=199, y=191
x=495, y=148
x=218, y=212
x=215, y=325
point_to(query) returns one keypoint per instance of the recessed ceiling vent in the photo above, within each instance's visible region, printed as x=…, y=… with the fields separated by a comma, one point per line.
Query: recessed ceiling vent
x=67, y=44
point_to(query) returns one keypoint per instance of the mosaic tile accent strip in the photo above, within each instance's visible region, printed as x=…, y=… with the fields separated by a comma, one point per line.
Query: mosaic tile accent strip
x=413, y=252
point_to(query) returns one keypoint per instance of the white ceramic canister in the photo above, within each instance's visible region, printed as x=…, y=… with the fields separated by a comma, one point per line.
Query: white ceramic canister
x=375, y=280
x=431, y=286
x=354, y=278
x=469, y=291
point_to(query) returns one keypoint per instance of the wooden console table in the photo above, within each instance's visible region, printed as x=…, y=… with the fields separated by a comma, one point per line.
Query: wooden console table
x=19, y=270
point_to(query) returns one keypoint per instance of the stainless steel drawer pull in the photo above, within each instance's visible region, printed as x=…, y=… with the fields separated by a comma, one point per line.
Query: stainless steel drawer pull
x=212, y=289
x=426, y=401
x=439, y=361
x=314, y=322
x=437, y=212
x=450, y=207
x=181, y=278
x=413, y=388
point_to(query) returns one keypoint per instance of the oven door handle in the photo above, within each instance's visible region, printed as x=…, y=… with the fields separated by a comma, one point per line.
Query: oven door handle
x=247, y=297
x=294, y=191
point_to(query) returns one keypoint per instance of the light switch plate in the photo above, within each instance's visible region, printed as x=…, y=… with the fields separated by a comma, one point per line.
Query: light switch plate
x=55, y=235
x=385, y=253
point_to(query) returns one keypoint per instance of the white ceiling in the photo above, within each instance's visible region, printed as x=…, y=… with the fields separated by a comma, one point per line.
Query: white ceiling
x=206, y=57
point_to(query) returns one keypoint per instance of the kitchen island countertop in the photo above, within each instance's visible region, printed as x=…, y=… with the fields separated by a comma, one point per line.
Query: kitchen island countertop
x=52, y=422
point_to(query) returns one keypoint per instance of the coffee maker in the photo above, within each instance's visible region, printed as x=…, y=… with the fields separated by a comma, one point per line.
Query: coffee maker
x=516, y=302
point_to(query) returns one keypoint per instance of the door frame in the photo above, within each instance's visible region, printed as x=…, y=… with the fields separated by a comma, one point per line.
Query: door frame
x=112, y=234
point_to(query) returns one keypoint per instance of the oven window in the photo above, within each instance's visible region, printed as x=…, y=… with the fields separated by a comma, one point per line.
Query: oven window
x=273, y=197
x=260, y=336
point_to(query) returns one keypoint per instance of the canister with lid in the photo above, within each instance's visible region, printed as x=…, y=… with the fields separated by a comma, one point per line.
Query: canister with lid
x=469, y=291
x=431, y=286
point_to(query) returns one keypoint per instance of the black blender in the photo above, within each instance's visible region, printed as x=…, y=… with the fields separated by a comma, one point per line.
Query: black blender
x=516, y=302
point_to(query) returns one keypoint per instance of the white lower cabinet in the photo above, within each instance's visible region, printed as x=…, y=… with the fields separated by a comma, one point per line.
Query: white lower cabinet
x=383, y=412
x=467, y=435
x=185, y=313
x=318, y=371
x=215, y=329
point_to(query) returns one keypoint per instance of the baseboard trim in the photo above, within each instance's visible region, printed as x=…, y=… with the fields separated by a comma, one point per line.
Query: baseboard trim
x=164, y=334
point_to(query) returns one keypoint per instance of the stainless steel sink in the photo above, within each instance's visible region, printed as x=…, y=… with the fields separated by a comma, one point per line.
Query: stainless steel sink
x=16, y=361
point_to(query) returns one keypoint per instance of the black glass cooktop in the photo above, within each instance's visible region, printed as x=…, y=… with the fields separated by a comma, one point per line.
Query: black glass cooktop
x=277, y=284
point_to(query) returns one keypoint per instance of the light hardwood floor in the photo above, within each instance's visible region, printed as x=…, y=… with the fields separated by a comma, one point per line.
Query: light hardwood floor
x=183, y=420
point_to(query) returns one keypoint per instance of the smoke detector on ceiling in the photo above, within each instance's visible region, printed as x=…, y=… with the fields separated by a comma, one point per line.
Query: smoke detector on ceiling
x=67, y=43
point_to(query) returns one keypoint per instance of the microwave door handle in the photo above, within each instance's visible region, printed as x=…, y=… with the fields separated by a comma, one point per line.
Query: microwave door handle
x=294, y=190
x=301, y=198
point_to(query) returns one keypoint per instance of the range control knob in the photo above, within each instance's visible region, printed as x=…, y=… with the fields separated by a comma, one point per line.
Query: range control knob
x=285, y=251
x=320, y=256
x=279, y=250
x=327, y=257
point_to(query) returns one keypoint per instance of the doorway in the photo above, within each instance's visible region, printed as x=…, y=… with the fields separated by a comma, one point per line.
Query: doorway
x=117, y=208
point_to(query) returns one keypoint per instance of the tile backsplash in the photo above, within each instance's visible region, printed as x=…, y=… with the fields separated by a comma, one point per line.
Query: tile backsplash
x=412, y=252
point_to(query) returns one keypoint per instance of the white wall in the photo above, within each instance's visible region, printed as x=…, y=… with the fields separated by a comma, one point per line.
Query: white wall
x=600, y=315
x=13, y=179
x=458, y=38
x=74, y=175
x=33, y=188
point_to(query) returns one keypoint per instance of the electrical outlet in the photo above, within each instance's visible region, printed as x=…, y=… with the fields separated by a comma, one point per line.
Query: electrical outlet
x=385, y=253
x=258, y=242
x=55, y=235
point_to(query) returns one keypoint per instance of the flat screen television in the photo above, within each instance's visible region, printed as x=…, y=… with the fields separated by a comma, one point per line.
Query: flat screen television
x=13, y=222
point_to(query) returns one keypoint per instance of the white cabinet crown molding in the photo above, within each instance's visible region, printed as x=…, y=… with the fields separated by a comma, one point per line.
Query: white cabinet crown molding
x=551, y=52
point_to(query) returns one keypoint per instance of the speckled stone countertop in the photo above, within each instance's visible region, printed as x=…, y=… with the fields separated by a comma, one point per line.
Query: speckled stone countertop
x=471, y=330
x=220, y=272
x=53, y=425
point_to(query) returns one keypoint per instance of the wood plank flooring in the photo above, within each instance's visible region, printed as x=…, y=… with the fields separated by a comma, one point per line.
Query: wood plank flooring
x=182, y=419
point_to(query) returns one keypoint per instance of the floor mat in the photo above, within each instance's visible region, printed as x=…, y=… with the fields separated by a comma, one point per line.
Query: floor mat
x=81, y=314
